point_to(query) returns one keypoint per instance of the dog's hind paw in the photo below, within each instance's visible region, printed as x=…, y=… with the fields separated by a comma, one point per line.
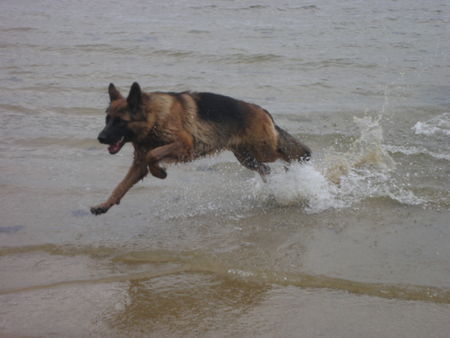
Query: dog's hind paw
x=100, y=209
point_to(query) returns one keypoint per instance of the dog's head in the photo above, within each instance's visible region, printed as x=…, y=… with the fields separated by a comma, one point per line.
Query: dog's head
x=119, y=114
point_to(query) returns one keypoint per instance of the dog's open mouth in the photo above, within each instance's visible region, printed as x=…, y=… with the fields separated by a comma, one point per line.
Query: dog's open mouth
x=115, y=148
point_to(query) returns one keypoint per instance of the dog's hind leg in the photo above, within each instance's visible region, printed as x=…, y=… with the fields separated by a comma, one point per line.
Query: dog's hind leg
x=248, y=160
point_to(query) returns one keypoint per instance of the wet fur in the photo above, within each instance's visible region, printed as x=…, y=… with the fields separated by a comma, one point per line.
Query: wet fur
x=180, y=127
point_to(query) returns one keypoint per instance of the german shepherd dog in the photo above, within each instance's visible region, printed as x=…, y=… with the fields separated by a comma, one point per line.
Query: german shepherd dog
x=180, y=127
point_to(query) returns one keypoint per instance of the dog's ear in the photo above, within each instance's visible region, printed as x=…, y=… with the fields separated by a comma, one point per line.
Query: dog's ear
x=134, y=98
x=114, y=94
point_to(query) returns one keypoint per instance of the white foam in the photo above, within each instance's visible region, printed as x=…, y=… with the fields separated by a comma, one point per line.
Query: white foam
x=438, y=125
x=300, y=185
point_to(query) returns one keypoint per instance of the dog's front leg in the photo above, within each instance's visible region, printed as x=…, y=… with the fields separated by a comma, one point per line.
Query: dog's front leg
x=137, y=171
x=179, y=151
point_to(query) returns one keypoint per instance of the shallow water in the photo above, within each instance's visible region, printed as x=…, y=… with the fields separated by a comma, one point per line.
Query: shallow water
x=355, y=243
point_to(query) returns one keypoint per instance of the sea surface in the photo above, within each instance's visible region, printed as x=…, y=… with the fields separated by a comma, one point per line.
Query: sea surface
x=356, y=243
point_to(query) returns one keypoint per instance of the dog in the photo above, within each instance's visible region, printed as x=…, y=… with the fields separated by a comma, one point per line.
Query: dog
x=167, y=127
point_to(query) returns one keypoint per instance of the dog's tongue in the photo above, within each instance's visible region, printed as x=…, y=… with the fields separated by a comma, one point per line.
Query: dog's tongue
x=114, y=148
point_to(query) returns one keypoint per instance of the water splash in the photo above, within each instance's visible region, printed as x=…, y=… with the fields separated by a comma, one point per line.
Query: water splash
x=341, y=179
x=301, y=185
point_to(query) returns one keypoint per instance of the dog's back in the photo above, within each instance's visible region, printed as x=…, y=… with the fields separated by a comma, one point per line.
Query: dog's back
x=244, y=125
x=222, y=122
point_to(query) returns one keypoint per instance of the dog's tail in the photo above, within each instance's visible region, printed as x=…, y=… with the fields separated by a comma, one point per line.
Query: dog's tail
x=290, y=148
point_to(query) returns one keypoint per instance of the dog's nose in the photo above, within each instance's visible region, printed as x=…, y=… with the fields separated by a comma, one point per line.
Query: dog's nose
x=101, y=138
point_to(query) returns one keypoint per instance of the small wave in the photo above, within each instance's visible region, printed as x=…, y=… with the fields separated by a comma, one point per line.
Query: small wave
x=415, y=151
x=250, y=58
x=61, y=142
x=252, y=7
x=310, y=7
x=439, y=125
x=172, y=53
x=18, y=29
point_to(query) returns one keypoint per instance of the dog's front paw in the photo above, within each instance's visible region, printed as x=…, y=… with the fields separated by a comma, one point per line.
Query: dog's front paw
x=157, y=171
x=100, y=209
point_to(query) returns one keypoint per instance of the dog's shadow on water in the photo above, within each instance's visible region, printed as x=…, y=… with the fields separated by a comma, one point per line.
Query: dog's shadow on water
x=11, y=229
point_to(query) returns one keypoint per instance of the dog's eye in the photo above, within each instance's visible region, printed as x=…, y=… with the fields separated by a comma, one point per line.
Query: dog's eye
x=118, y=122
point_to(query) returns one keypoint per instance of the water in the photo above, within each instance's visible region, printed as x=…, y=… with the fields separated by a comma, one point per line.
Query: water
x=355, y=243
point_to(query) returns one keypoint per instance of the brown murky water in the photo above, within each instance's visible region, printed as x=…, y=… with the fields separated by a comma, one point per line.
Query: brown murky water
x=356, y=243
